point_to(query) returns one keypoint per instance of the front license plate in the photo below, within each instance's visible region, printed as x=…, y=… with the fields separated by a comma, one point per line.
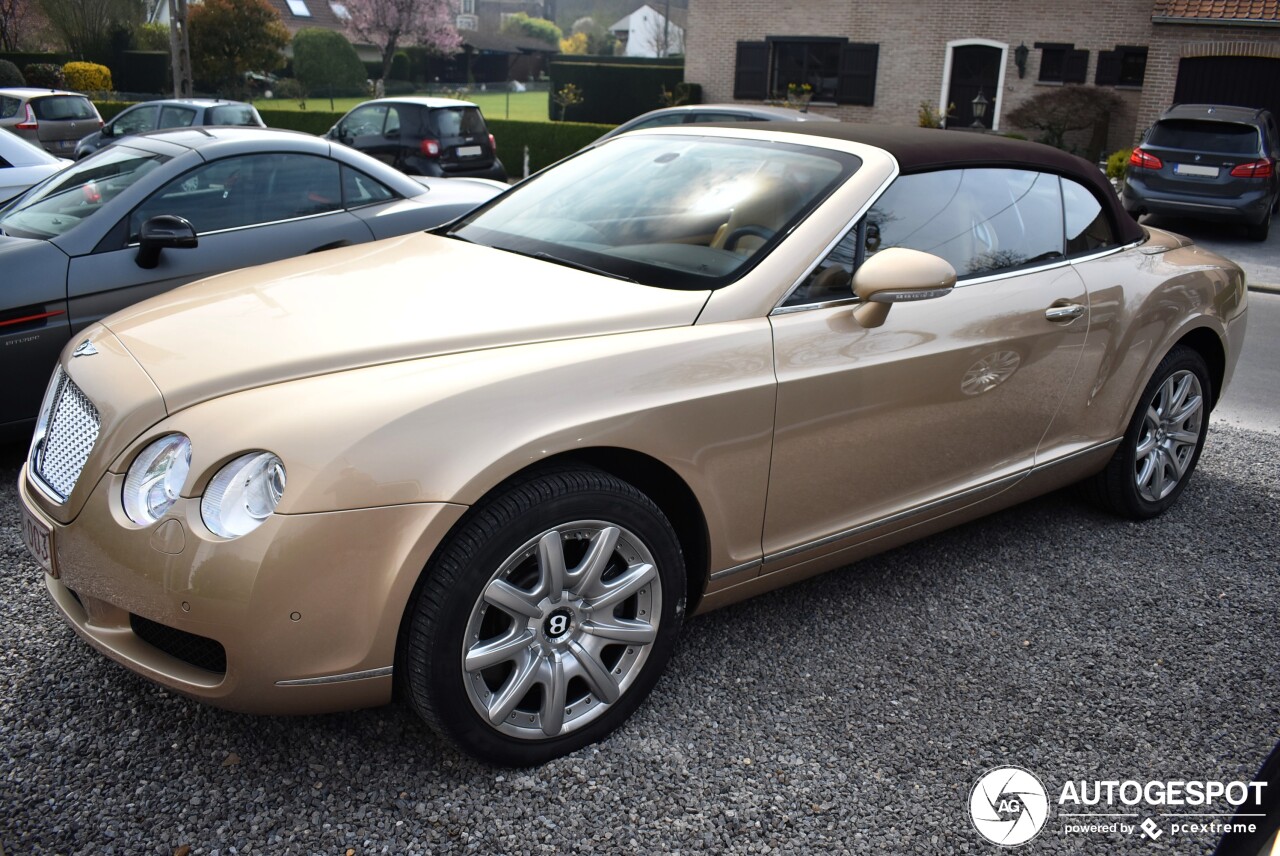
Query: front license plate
x=39, y=541
x=469, y=151
x=1192, y=169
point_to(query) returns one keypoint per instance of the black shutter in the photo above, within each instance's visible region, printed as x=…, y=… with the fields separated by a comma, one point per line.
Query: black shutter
x=751, y=73
x=1108, y=73
x=1075, y=67
x=856, y=83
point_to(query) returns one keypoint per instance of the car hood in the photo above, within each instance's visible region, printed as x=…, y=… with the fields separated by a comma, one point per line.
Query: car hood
x=404, y=298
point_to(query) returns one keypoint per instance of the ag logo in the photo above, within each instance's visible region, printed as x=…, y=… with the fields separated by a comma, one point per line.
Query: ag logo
x=1008, y=806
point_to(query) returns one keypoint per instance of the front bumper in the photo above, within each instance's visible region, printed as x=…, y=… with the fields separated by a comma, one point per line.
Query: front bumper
x=307, y=607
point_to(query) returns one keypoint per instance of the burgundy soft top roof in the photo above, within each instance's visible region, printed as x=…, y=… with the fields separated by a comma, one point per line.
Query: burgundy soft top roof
x=926, y=149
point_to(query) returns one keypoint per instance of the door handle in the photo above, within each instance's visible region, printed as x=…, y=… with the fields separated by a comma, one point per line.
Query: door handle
x=1064, y=312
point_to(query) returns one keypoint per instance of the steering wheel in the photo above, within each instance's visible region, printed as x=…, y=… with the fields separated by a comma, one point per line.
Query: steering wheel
x=731, y=239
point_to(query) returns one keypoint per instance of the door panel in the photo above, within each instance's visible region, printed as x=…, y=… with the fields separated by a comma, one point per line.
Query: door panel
x=948, y=395
x=103, y=283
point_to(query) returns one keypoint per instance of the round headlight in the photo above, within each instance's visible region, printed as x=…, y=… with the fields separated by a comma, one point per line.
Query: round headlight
x=243, y=494
x=155, y=479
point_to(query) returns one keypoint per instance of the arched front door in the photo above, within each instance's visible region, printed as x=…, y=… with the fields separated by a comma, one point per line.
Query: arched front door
x=975, y=69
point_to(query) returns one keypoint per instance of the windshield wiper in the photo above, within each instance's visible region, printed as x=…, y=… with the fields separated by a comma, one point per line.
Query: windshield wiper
x=547, y=257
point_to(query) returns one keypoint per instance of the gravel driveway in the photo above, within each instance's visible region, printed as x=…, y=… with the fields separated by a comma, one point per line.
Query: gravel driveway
x=850, y=713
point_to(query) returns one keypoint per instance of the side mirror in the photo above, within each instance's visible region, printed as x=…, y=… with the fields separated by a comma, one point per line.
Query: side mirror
x=164, y=231
x=108, y=131
x=898, y=275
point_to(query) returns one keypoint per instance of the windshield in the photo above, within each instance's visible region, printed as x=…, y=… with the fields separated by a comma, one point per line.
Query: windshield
x=669, y=211
x=64, y=200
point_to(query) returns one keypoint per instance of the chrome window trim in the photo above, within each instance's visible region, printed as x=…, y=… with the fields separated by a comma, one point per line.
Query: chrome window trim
x=267, y=223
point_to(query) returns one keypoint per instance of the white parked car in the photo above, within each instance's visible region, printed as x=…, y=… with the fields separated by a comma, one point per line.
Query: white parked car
x=23, y=164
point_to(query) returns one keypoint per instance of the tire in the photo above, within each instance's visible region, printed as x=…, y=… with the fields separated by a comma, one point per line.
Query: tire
x=545, y=619
x=1163, y=442
x=1259, y=231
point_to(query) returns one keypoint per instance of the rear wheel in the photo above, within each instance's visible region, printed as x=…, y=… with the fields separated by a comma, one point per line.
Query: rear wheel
x=545, y=619
x=1163, y=442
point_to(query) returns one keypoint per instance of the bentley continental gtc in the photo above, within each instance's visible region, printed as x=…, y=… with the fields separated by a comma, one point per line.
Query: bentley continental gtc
x=496, y=465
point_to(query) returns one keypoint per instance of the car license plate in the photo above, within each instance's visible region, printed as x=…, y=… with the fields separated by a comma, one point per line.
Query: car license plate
x=1192, y=169
x=66, y=144
x=39, y=542
x=469, y=151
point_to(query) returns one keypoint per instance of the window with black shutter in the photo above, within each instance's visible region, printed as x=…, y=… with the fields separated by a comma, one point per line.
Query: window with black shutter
x=1062, y=63
x=805, y=68
x=857, y=80
x=1124, y=66
x=751, y=72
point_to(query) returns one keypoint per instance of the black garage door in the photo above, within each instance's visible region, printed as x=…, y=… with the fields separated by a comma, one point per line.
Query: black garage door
x=1245, y=81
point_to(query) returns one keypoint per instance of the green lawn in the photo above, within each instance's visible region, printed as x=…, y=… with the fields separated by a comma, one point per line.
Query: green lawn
x=523, y=106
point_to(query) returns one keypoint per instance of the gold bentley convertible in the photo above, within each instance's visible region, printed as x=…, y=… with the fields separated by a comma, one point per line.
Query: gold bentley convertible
x=496, y=465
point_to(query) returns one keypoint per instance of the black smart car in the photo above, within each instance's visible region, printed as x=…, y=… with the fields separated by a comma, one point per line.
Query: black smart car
x=1208, y=162
x=437, y=137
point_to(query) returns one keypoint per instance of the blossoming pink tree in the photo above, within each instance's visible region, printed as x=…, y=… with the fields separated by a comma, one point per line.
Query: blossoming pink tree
x=392, y=24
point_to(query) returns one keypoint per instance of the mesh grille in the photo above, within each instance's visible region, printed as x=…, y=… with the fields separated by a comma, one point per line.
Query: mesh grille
x=199, y=651
x=69, y=435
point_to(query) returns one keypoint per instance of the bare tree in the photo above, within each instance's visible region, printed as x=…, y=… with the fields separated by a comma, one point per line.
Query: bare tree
x=15, y=18
x=85, y=26
x=391, y=24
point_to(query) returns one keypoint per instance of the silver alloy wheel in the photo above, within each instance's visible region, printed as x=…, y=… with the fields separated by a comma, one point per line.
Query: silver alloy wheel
x=1169, y=436
x=562, y=629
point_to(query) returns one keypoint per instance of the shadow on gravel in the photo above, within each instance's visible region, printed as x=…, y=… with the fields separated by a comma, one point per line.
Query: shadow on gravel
x=848, y=713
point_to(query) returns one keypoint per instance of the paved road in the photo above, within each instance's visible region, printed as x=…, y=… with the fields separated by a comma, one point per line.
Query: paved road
x=1253, y=399
x=850, y=713
x=1260, y=260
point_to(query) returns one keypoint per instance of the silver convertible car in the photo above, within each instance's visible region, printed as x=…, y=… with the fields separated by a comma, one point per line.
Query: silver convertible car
x=499, y=463
x=165, y=208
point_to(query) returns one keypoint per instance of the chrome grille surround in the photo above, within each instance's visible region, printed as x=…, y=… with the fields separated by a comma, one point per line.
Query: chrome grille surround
x=64, y=437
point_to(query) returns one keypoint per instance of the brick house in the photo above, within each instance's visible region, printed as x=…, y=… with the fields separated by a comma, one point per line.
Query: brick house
x=878, y=61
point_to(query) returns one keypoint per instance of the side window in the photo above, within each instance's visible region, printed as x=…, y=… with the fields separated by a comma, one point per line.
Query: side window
x=135, y=121
x=661, y=121
x=359, y=189
x=176, y=117
x=8, y=107
x=245, y=191
x=364, y=121
x=723, y=117
x=982, y=221
x=1088, y=227
x=392, y=127
x=832, y=279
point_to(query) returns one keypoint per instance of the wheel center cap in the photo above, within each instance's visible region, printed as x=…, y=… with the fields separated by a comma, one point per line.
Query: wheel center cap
x=558, y=624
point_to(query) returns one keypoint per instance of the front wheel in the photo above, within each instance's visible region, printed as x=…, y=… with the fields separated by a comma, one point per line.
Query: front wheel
x=1163, y=442
x=545, y=619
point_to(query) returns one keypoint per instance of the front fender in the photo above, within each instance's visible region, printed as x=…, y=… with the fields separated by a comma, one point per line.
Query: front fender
x=450, y=428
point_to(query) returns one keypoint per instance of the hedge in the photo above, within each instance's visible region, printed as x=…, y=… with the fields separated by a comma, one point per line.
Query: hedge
x=612, y=92
x=548, y=142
